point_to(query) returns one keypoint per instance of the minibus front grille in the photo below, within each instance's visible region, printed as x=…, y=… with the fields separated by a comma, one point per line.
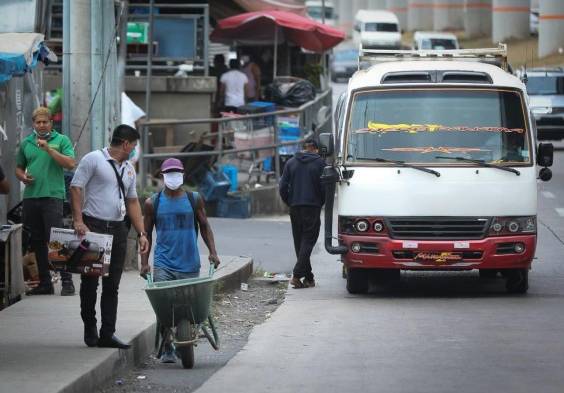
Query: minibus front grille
x=462, y=228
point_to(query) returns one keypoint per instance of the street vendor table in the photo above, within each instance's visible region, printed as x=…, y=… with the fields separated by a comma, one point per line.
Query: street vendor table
x=11, y=277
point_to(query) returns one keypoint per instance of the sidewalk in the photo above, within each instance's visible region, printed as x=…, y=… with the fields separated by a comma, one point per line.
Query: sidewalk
x=41, y=343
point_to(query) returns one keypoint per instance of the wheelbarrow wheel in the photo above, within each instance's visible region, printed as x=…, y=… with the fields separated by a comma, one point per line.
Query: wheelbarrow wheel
x=185, y=352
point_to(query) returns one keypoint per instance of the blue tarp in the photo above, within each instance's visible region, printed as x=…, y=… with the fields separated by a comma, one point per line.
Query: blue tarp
x=22, y=59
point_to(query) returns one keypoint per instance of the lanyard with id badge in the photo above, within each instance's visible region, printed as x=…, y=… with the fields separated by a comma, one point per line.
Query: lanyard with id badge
x=121, y=186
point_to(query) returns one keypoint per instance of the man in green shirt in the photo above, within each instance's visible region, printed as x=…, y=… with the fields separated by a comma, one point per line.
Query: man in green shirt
x=39, y=165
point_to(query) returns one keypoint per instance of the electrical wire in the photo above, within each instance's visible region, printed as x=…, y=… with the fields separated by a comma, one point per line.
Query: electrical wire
x=110, y=47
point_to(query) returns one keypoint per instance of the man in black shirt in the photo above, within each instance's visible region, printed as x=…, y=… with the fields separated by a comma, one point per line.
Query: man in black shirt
x=301, y=189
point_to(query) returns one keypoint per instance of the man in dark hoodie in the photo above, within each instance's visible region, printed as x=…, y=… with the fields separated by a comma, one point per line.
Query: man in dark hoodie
x=301, y=189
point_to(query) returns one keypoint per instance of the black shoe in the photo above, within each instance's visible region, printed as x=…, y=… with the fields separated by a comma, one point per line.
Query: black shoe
x=41, y=290
x=309, y=283
x=91, y=336
x=67, y=289
x=112, y=342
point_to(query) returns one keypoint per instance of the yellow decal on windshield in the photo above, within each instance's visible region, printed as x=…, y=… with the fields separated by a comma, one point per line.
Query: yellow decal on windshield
x=415, y=128
x=436, y=149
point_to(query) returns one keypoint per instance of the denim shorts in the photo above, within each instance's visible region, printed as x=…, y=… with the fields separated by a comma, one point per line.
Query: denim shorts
x=164, y=274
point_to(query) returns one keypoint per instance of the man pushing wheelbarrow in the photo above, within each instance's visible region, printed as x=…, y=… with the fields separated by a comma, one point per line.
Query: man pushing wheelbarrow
x=178, y=215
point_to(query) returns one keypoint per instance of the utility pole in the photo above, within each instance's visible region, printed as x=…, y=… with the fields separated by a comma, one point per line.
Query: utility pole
x=323, y=11
x=76, y=73
x=90, y=83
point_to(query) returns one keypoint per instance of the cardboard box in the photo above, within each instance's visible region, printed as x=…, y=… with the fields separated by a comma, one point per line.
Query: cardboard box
x=95, y=259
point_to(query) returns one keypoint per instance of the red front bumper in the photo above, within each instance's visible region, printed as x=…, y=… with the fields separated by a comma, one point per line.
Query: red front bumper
x=411, y=254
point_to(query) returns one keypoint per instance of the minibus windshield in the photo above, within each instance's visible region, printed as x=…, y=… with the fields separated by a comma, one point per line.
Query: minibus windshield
x=417, y=126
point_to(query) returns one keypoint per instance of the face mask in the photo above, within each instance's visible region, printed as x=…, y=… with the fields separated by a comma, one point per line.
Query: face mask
x=132, y=154
x=173, y=180
x=45, y=135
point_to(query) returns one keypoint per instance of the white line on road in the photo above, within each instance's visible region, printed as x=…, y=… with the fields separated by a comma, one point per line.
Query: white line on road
x=560, y=211
x=548, y=195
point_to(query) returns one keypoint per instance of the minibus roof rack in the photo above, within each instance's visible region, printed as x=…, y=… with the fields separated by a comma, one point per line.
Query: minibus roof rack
x=496, y=56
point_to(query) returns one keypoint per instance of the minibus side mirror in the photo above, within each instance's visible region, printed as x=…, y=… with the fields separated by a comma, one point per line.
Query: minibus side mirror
x=545, y=154
x=326, y=144
x=545, y=174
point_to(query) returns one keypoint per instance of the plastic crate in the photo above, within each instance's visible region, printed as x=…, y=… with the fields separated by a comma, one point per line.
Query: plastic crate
x=234, y=207
x=268, y=106
x=231, y=172
x=288, y=149
x=290, y=131
x=214, y=186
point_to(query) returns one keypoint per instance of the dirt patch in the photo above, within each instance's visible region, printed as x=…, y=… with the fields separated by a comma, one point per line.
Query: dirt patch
x=235, y=313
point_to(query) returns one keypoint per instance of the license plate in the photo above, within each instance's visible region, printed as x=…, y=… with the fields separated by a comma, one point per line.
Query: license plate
x=438, y=257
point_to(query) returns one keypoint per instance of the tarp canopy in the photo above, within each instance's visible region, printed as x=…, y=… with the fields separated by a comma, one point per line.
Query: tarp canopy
x=274, y=27
x=20, y=52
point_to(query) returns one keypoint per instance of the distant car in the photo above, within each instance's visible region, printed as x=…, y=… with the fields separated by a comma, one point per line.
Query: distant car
x=546, y=92
x=344, y=64
x=434, y=40
x=534, y=22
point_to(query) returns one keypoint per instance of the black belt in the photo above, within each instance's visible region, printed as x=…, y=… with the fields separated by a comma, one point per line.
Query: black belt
x=105, y=223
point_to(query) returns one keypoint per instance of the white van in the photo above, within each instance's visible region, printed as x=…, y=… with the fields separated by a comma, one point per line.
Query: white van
x=377, y=29
x=434, y=40
x=435, y=166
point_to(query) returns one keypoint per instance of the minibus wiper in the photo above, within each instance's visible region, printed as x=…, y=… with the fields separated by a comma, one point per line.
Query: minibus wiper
x=482, y=163
x=403, y=164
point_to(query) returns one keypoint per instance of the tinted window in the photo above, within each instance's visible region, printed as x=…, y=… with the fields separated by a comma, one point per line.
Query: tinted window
x=389, y=27
x=545, y=85
x=442, y=43
x=416, y=126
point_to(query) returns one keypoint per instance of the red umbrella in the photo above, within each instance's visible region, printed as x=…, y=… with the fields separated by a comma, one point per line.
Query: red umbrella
x=262, y=26
x=266, y=27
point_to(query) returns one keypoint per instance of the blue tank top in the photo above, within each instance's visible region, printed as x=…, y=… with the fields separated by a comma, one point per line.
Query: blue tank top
x=177, y=244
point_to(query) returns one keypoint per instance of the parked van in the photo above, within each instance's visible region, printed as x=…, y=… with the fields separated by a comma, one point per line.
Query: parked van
x=435, y=164
x=377, y=30
x=434, y=40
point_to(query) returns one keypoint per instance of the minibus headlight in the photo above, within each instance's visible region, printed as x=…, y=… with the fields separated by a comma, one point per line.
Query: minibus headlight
x=513, y=225
x=378, y=226
x=362, y=225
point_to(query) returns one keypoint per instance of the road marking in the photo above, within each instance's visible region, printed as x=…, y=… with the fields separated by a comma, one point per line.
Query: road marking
x=560, y=211
x=548, y=195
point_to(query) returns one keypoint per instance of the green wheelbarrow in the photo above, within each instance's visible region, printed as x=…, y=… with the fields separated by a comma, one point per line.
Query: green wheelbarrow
x=183, y=311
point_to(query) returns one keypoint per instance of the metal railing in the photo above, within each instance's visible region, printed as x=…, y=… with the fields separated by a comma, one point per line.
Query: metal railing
x=309, y=118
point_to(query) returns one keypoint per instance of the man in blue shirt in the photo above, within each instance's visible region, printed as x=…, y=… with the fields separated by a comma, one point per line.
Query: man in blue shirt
x=176, y=214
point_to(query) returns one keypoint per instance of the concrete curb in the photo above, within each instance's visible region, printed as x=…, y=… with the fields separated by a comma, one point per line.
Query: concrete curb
x=236, y=270
x=118, y=361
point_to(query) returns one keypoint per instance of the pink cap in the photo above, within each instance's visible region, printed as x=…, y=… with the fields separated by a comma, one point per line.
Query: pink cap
x=172, y=164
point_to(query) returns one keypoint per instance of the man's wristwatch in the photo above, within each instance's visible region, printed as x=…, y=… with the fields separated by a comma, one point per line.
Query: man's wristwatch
x=142, y=234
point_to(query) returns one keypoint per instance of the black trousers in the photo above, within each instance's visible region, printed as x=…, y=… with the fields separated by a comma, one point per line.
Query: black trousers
x=110, y=284
x=305, y=230
x=39, y=215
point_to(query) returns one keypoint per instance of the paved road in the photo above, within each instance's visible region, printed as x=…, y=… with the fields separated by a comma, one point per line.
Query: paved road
x=432, y=333
x=267, y=240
